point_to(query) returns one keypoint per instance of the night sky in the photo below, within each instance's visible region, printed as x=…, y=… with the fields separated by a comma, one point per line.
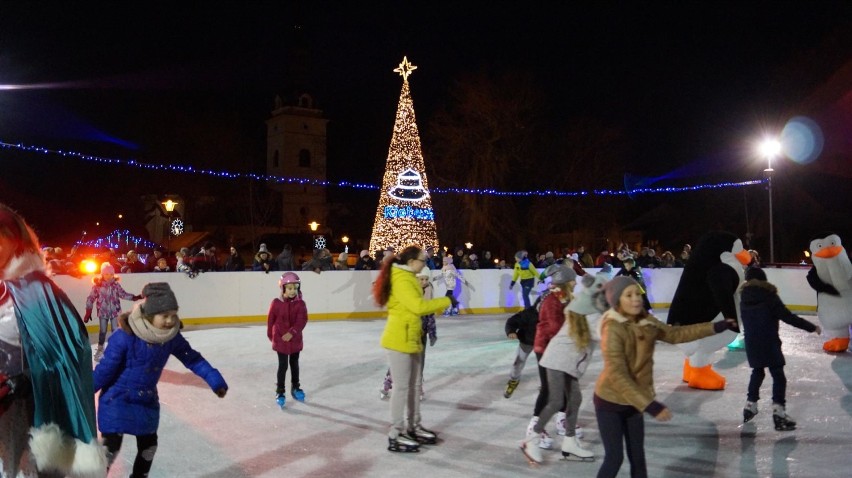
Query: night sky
x=690, y=86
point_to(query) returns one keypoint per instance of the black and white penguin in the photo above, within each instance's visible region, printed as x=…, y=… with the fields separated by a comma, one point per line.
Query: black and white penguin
x=831, y=278
x=709, y=291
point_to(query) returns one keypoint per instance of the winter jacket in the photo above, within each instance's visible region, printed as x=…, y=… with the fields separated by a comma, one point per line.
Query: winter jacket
x=286, y=315
x=127, y=377
x=285, y=261
x=105, y=295
x=524, y=323
x=627, y=347
x=406, y=305
x=761, y=310
x=528, y=272
x=265, y=264
x=450, y=274
x=562, y=354
x=235, y=263
x=550, y=320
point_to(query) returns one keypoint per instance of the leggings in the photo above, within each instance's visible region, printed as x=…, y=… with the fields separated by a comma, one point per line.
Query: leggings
x=283, y=360
x=544, y=390
x=105, y=321
x=146, y=447
x=628, y=427
x=565, y=389
x=779, y=384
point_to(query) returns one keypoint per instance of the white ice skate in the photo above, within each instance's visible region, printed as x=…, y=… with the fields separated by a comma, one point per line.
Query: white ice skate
x=572, y=451
x=99, y=353
x=531, y=448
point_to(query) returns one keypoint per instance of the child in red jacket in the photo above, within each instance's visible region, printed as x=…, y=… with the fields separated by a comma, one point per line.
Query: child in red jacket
x=288, y=316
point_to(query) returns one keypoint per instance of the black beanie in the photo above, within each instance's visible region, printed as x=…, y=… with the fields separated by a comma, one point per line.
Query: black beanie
x=158, y=298
x=755, y=273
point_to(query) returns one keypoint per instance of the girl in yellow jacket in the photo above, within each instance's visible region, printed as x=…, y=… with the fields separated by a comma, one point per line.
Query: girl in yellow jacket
x=625, y=388
x=398, y=287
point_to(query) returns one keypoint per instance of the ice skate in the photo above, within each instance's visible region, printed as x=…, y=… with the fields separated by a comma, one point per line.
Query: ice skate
x=544, y=441
x=511, y=385
x=384, y=393
x=572, y=451
x=281, y=399
x=531, y=448
x=749, y=411
x=99, y=353
x=783, y=422
x=298, y=394
x=423, y=436
x=560, y=423
x=403, y=443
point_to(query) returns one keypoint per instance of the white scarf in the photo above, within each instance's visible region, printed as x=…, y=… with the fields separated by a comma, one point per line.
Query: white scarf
x=146, y=331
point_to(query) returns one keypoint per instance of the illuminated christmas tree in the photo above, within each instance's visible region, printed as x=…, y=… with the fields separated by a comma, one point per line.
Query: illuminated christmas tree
x=404, y=216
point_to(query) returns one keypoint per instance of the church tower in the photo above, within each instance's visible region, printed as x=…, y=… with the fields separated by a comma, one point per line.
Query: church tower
x=296, y=148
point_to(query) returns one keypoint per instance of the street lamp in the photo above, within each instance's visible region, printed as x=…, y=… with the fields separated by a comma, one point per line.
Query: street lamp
x=313, y=225
x=769, y=149
x=170, y=208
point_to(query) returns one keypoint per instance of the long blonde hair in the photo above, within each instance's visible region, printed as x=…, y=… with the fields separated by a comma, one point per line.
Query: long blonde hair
x=578, y=329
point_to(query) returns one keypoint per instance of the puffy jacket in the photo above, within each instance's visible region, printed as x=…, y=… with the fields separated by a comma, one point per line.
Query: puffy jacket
x=550, y=319
x=127, y=377
x=105, y=295
x=761, y=310
x=287, y=315
x=627, y=347
x=522, y=273
x=524, y=323
x=404, y=329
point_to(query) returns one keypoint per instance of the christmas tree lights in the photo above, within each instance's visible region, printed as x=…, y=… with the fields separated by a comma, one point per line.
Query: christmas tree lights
x=404, y=215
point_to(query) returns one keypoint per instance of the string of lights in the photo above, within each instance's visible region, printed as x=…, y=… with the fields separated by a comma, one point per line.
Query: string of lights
x=349, y=184
x=115, y=238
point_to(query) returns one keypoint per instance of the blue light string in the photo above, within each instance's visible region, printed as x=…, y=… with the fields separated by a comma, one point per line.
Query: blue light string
x=348, y=184
x=114, y=239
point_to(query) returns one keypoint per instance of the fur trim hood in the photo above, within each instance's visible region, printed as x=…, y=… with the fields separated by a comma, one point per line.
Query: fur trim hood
x=19, y=266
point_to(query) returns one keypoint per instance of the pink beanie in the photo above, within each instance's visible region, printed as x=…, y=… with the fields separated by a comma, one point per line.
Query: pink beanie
x=107, y=268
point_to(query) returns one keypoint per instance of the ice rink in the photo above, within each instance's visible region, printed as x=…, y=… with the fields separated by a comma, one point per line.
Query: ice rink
x=341, y=430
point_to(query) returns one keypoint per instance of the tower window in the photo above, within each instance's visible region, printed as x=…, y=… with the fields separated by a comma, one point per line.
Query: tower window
x=304, y=158
x=275, y=160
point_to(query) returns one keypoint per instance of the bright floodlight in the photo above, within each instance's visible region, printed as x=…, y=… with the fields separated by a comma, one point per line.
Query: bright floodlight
x=770, y=148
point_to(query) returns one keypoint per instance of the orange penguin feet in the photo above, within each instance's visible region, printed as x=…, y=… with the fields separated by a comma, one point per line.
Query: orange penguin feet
x=687, y=370
x=836, y=345
x=705, y=378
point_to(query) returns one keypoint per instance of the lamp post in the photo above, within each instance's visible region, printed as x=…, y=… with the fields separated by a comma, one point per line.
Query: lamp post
x=170, y=208
x=770, y=148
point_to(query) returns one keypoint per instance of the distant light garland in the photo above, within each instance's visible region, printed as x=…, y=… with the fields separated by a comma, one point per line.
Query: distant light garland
x=349, y=184
x=114, y=239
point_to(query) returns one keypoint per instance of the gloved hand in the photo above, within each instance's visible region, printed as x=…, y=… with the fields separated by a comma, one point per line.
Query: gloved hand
x=222, y=392
x=727, y=324
x=88, y=316
x=137, y=297
x=432, y=340
x=511, y=284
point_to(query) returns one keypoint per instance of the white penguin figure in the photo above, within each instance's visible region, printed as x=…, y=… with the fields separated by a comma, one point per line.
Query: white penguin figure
x=831, y=277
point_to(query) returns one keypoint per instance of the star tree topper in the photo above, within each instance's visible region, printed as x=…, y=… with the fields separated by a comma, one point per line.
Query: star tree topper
x=405, y=68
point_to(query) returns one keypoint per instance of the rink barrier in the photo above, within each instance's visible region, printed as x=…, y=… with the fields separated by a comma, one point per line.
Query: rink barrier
x=216, y=298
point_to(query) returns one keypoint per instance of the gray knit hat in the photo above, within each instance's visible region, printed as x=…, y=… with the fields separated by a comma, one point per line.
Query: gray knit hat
x=614, y=288
x=563, y=275
x=158, y=298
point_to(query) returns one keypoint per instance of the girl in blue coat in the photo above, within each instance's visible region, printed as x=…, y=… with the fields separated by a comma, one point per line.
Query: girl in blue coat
x=128, y=373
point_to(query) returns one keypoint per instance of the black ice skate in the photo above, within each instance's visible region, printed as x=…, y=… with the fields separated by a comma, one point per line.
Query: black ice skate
x=403, y=443
x=510, y=388
x=423, y=436
x=749, y=411
x=783, y=424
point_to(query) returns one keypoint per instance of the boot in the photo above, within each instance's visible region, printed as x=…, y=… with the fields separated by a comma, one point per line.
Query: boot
x=423, y=436
x=687, y=370
x=511, y=385
x=531, y=447
x=560, y=423
x=99, y=353
x=836, y=345
x=749, y=411
x=403, y=443
x=783, y=422
x=571, y=450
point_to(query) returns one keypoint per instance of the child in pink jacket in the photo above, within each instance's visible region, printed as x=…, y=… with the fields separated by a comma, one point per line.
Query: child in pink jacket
x=288, y=316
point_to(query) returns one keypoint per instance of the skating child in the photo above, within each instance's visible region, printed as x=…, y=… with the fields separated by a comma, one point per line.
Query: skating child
x=288, y=316
x=430, y=332
x=625, y=388
x=761, y=310
x=105, y=294
x=450, y=274
x=521, y=327
x=551, y=317
x=526, y=272
x=565, y=359
x=129, y=371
